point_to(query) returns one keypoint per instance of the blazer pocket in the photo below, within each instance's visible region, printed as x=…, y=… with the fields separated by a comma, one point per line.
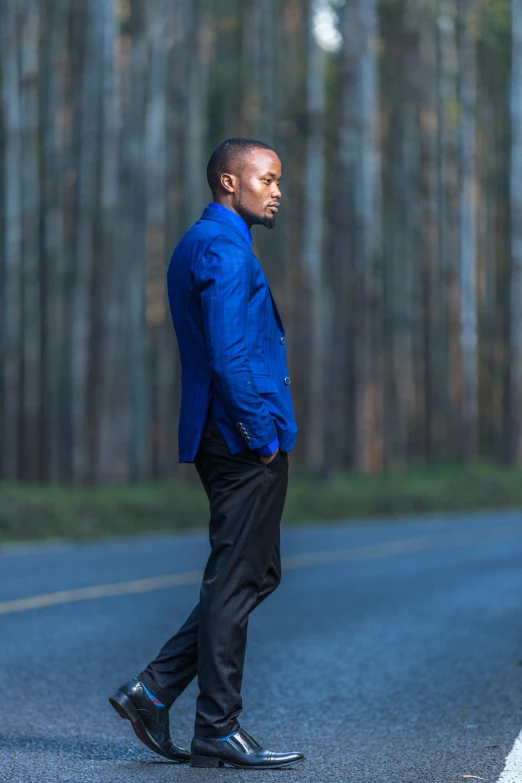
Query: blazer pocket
x=264, y=383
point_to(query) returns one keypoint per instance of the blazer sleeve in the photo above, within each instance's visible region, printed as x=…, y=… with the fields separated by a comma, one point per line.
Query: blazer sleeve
x=222, y=277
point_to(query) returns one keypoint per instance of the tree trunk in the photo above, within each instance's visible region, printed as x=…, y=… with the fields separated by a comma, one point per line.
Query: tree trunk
x=160, y=31
x=54, y=100
x=11, y=453
x=87, y=187
x=360, y=115
x=340, y=423
x=174, y=194
x=434, y=377
x=198, y=54
x=402, y=317
x=468, y=260
x=134, y=163
x=312, y=244
x=32, y=428
x=515, y=291
x=111, y=463
x=449, y=226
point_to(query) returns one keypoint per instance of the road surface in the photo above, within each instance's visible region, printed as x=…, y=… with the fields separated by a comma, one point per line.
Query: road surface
x=391, y=653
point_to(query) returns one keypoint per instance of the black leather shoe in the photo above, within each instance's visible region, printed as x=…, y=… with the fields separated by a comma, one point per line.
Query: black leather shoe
x=150, y=723
x=239, y=750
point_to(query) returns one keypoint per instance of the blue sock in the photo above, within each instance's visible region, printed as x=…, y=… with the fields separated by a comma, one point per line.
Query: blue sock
x=222, y=739
x=151, y=696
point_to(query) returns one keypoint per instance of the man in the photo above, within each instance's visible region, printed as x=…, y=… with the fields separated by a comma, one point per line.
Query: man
x=237, y=425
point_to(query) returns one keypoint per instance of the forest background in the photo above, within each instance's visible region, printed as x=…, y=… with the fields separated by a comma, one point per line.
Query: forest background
x=396, y=262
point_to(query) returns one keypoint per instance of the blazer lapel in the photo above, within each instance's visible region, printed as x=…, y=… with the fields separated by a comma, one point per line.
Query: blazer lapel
x=276, y=311
x=211, y=214
x=274, y=306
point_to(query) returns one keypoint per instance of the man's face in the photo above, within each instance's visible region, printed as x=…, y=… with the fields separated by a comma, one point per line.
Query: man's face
x=257, y=191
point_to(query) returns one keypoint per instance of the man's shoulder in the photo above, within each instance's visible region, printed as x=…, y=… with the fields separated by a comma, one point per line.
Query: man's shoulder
x=205, y=235
x=211, y=229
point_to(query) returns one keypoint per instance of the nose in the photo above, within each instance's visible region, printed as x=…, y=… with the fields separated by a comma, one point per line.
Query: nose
x=276, y=193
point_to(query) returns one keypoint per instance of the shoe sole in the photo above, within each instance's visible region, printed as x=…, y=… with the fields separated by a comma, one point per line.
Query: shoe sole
x=126, y=710
x=212, y=761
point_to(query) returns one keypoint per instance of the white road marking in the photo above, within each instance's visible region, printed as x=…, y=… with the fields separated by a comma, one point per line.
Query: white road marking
x=375, y=551
x=512, y=772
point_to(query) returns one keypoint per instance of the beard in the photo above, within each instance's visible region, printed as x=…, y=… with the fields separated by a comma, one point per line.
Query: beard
x=256, y=220
x=267, y=222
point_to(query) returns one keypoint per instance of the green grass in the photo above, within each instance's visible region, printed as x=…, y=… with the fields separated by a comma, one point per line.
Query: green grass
x=36, y=511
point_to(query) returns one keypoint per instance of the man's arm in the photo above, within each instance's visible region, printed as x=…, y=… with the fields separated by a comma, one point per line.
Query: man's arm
x=222, y=277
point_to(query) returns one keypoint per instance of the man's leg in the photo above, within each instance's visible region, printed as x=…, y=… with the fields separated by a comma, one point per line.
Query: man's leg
x=177, y=662
x=246, y=505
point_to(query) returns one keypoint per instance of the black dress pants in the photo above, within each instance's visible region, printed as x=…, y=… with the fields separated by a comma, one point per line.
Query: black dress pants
x=246, y=500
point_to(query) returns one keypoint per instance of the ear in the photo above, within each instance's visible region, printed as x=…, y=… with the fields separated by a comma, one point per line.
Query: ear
x=228, y=182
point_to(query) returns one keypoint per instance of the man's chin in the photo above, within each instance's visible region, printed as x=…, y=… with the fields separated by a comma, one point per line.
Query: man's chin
x=267, y=222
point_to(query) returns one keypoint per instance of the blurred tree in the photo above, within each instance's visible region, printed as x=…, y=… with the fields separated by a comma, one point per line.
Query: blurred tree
x=395, y=262
x=359, y=163
x=402, y=312
x=31, y=203
x=198, y=38
x=11, y=453
x=468, y=229
x=448, y=227
x=515, y=311
x=88, y=183
x=313, y=240
x=435, y=371
x=111, y=399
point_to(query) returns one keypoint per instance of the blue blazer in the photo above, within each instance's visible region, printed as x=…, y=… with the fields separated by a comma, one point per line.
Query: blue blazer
x=231, y=341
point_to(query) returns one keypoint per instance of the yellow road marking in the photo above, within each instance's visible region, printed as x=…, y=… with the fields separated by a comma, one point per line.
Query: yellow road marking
x=100, y=591
x=292, y=562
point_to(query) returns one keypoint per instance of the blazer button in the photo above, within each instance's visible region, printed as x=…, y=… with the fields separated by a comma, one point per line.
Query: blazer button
x=287, y=380
x=240, y=424
x=247, y=438
x=282, y=340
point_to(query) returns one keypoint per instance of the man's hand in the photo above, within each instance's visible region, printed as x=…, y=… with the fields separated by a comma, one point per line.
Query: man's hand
x=268, y=460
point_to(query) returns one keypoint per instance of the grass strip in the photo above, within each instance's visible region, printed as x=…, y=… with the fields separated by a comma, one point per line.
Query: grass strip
x=40, y=511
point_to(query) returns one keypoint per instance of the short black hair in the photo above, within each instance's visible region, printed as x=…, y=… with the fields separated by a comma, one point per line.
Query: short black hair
x=227, y=157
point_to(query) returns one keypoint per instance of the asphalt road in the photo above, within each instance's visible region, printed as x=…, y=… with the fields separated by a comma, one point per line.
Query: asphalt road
x=390, y=653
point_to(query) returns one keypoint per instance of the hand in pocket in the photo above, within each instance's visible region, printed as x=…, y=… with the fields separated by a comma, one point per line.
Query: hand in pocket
x=271, y=458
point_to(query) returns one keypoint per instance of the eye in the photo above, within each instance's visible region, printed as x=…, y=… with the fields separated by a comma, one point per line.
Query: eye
x=266, y=180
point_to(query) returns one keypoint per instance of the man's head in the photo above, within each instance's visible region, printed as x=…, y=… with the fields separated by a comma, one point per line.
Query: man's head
x=243, y=175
